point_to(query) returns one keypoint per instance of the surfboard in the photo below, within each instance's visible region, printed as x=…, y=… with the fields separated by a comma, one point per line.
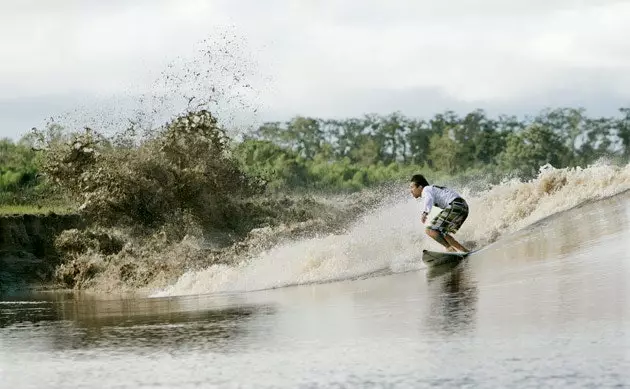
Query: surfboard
x=436, y=258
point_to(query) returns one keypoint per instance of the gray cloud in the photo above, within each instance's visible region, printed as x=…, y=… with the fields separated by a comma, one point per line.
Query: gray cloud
x=320, y=58
x=18, y=116
x=426, y=102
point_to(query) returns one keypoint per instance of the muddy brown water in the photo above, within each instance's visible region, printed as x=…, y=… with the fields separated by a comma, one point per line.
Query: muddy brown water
x=548, y=306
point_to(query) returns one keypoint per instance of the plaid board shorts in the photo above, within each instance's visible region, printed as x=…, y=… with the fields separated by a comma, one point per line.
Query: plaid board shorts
x=451, y=218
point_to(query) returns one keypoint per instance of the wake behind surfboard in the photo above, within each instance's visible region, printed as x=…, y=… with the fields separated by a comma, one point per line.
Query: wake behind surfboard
x=436, y=258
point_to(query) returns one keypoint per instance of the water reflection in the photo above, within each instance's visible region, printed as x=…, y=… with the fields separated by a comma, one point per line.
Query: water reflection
x=452, y=295
x=520, y=313
x=139, y=324
x=33, y=313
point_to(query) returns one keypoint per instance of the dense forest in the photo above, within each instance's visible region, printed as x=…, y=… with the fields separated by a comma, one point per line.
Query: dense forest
x=350, y=154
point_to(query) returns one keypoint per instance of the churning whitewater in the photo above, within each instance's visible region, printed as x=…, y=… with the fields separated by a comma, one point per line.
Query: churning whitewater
x=391, y=239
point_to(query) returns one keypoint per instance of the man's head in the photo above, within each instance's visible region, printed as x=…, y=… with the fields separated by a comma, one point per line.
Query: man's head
x=417, y=183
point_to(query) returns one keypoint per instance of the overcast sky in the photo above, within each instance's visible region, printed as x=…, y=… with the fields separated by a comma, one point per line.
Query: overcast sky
x=321, y=58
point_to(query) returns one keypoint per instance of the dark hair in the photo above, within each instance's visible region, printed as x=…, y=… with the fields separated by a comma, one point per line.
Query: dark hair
x=419, y=180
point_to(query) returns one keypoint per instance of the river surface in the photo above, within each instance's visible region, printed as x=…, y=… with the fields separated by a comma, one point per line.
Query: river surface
x=548, y=306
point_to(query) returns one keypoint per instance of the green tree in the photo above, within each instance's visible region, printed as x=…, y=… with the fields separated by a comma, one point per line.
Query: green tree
x=366, y=152
x=597, y=141
x=391, y=131
x=418, y=139
x=279, y=167
x=532, y=148
x=623, y=132
x=569, y=124
x=307, y=135
x=445, y=153
x=18, y=166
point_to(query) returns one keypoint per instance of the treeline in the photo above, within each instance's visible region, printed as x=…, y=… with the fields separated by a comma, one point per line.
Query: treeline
x=326, y=154
x=19, y=169
x=356, y=152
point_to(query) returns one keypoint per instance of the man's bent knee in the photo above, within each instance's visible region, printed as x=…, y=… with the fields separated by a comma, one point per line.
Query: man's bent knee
x=432, y=233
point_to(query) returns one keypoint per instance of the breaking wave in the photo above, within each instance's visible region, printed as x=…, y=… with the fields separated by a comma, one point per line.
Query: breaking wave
x=391, y=238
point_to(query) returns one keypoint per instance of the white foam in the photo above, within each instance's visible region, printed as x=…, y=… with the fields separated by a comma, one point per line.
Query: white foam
x=389, y=238
x=392, y=237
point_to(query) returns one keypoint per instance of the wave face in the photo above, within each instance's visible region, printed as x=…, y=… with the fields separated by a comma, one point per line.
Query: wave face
x=392, y=238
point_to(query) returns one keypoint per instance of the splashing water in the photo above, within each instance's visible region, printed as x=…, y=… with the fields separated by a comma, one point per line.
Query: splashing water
x=386, y=238
x=392, y=238
x=219, y=74
x=514, y=205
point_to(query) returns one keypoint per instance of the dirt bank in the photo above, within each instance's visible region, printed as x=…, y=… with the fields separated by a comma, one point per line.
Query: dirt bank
x=27, y=252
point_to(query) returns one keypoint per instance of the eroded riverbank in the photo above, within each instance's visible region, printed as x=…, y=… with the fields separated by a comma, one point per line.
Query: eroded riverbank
x=27, y=250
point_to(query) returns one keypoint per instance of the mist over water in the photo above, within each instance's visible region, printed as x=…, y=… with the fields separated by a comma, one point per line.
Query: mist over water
x=391, y=239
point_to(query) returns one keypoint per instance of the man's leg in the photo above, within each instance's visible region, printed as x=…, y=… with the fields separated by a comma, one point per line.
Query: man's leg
x=437, y=236
x=455, y=218
x=453, y=243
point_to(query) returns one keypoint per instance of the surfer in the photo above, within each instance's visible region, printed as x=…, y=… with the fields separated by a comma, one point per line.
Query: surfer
x=449, y=220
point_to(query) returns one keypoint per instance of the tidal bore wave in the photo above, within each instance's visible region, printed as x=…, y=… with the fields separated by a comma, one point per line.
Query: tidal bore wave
x=390, y=238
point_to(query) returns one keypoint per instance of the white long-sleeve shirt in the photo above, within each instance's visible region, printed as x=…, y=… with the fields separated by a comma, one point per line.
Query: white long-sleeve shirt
x=439, y=196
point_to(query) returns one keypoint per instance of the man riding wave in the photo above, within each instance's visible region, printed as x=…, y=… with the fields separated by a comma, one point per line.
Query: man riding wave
x=449, y=220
